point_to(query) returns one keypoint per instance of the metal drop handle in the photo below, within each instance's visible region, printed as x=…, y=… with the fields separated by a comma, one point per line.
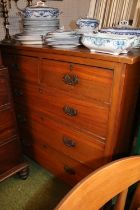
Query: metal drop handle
x=21, y=119
x=69, y=170
x=15, y=66
x=18, y=92
x=71, y=79
x=69, y=142
x=70, y=111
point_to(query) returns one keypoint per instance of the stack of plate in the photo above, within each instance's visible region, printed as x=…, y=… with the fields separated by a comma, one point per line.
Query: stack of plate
x=62, y=39
x=40, y=26
x=28, y=39
x=38, y=21
x=34, y=30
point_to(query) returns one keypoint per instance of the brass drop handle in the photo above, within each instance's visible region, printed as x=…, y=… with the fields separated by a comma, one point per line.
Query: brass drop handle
x=21, y=119
x=15, y=66
x=70, y=111
x=69, y=142
x=71, y=79
x=26, y=143
x=69, y=170
x=44, y=146
x=18, y=92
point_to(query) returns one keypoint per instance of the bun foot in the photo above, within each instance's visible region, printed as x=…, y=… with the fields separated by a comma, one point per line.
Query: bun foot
x=23, y=174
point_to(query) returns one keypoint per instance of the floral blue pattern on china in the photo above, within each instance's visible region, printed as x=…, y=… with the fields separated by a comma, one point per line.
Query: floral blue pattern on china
x=108, y=44
x=87, y=23
x=98, y=41
x=48, y=12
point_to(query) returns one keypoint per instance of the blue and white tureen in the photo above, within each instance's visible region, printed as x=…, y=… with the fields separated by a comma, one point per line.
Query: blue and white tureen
x=40, y=10
x=108, y=43
x=124, y=29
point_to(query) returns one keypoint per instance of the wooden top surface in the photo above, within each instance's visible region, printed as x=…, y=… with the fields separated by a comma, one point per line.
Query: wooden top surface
x=131, y=57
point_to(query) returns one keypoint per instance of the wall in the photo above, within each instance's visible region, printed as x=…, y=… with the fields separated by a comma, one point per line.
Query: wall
x=72, y=10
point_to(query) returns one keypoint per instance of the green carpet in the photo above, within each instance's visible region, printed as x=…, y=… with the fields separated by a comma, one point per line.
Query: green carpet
x=40, y=191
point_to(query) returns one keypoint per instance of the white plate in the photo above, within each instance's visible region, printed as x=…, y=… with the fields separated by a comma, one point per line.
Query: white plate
x=41, y=18
x=65, y=46
x=65, y=38
x=31, y=42
x=40, y=28
x=28, y=38
x=63, y=43
x=33, y=32
x=60, y=34
x=41, y=23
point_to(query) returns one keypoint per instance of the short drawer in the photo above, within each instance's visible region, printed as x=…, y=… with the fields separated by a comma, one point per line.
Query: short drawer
x=88, y=117
x=77, y=80
x=62, y=166
x=24, y=68
x=9, y=153
x=7, y=124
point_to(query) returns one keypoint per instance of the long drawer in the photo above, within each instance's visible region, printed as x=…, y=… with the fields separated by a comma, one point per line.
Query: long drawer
x=88, y=117
x=78, y=146
x=78, y=80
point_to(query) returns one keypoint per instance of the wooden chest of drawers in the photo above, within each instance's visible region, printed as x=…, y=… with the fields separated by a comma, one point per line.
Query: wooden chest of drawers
x=75, y=109
x=11, y=157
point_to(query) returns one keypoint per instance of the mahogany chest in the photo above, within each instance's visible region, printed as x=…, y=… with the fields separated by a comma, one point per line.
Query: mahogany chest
x=75, y=110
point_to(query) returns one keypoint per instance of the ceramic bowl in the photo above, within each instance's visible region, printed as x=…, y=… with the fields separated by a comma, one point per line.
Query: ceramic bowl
x=107, y=43
x=40, y=10
x=87, y=24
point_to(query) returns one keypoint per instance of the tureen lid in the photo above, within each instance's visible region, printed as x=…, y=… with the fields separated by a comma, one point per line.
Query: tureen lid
x=124, y=25
x=39, y=6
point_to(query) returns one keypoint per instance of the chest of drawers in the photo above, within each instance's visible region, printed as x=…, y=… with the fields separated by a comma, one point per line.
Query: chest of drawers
x=75, y=110
x=11, y=160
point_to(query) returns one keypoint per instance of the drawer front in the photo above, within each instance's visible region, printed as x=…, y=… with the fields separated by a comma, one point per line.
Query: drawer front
x=83, y=115
x=62, y=166
x=7, y=124
x=9, y=153
x=77, y=80
x=76, y=145
x=24, y=68
x=4, y=88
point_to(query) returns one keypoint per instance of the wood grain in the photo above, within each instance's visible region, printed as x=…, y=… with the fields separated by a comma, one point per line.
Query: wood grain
x=10, y=148
x=103, y=96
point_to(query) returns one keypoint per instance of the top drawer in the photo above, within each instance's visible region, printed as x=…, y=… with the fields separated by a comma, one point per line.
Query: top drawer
x=23, y=67
x=78, y=80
